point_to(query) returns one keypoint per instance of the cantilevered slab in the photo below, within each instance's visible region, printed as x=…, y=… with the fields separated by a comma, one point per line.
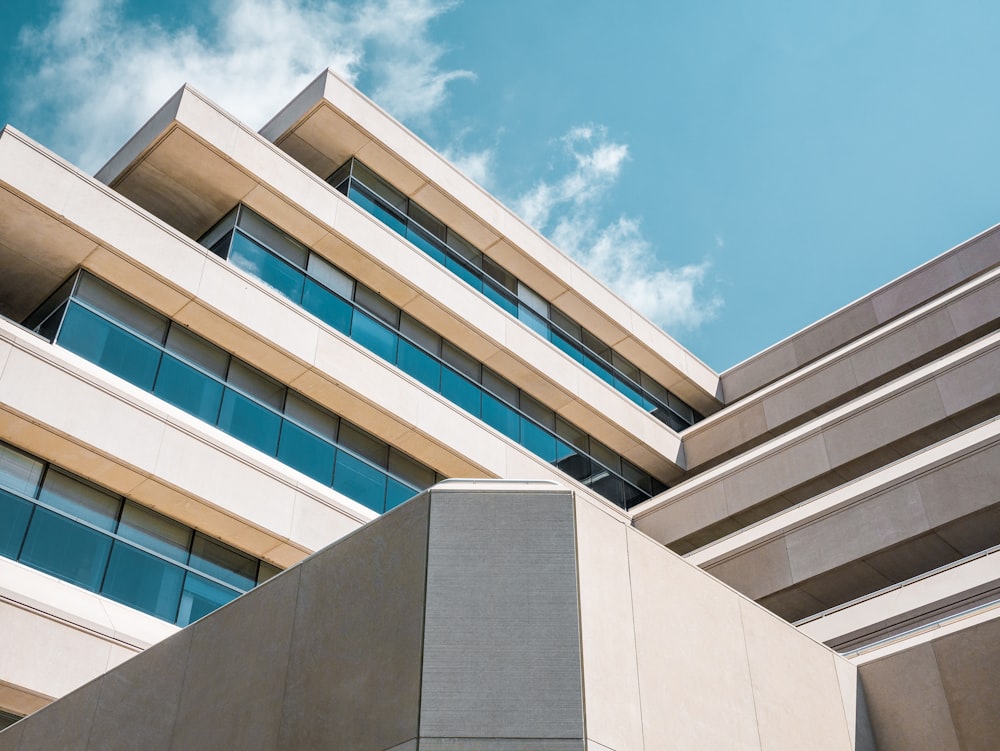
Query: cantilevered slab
x=479, y=615
x=330, y=121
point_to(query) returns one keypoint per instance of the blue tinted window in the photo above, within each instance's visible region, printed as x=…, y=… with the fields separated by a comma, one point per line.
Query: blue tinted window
x=598, y=369
x=223, y=562
x=419, y=364
x=376, y=210
x=249, y=422
x=499, y=298
x=360, y=481
x=396, y=493
x=498, y=415
x=251, y=257
x=14, y=515
x=328, y=307
x=624, y=388
x=534, y=321
x=538, y=441
x=426, y=243
x=567, y=346
x=189, y=389
x=200, y=597
x=306, y=452
x=109, y=346
x=374, y=336
x=66, y=549
x=464, y=273
x=143, y=581
x=461, y=391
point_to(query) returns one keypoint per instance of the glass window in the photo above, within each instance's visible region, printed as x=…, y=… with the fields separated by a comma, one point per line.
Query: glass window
x=360, y=481
x=155, y=531
x=200, y=597
x=498, y=415
x=254, y=383
x=374, y=335
x=42, y=316
x=538, y=441
x=417, y=332
x=364, y=444
x=269, y=268
x=109, y=346
x=376, y=207
x=605, y=456
x=500, y=386
x=538, y=411
x=533, y=321
x=409, y=470
x=330, y=276
x=266, y=571
x=122, y=308
x=396, y=493
x=461, y=361
x=14, y=516
x=19, y=472
x=465, y=249
x=311, y=415
x=143, y=581
x=220, y=230
x=533, y=300
x=198, y=351
x=428, y=222
x=500, y=275
x=223, y=562
x=494, y=293
x=419, y=364
x=66, y=549
x=426, y=242
x=280, y=243
x=306, y=452
x=461, y=392
x=463, y=272
x=343, y=173
x=379, y=186
x=250, y=422
x=328, y=307
x=189, y=389
x=375, y=304
x=80, y=499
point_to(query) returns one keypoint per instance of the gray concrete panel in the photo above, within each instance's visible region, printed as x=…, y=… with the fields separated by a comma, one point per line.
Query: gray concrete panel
x=836, y=330
x=243, y=647
x=10, y=737
x=919, y=285
x=502, y=644
x=970, y=383
x=907, y=703
x=969, y=664
x=961, y=487
x=501, y=744
x=64, y=725
x=903, y=345
x=354, y=668
x=976, y=310
x=138, y=703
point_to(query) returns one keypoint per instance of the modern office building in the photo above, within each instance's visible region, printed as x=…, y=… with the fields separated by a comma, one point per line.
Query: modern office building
x=230, y=349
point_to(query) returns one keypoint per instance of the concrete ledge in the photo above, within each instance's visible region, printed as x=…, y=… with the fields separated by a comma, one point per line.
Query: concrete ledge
x=869, y=312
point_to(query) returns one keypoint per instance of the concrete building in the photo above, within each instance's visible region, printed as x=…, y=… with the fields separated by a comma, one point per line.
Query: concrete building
x=230, y=349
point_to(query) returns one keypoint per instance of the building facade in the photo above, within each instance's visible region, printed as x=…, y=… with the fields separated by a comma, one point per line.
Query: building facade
x=230, y=349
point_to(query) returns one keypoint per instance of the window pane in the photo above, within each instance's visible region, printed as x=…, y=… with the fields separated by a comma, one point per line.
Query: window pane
x=189, y=389
x=610, y=486
x=538, y=441
x=571, y=461
x=499, y=298
x=375, y=304
x=428, y=222
x=255, y=384
x=409, y=470
x=397, y=493
x=201, y=597
x=567, y=346
x=19, y=472
x=120, y=307
x=155, y=531
x=14, y=515
x=379, y=186
x=374, y=336
x=498, y=415
x=464, y=273
x=327, y=307
x=426, y=242
x=628, y=390
x=249, y=422
x=266, y=571
x=330, y=276
x=143, y=581
x=276, y=273
x=534, y=321
x=311, y=415
x=598, y=369
x=377, y=210
x=280, y=243
x=109, y=346
x=461, y=392
x=359, y=481
x=80, y=500
x=364, y=444
x=223, y=562
x=194, y=349
x=420, y=365
x=66, y=549
x=307, y=453
x=220, y=230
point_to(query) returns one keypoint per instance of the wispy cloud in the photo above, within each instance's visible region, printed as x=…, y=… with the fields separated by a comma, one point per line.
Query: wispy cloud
x=477, y=165
x=98, y=75
x=617, y=253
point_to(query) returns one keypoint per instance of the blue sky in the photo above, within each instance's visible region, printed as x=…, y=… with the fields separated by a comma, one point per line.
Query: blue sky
x=736, y=170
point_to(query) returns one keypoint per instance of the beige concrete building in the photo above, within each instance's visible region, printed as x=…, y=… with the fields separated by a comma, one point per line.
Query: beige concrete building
x=230, y=349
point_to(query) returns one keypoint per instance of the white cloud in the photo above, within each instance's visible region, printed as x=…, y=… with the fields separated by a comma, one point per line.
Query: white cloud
x=477, y=165
x=618, y=254
x=98, y=75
